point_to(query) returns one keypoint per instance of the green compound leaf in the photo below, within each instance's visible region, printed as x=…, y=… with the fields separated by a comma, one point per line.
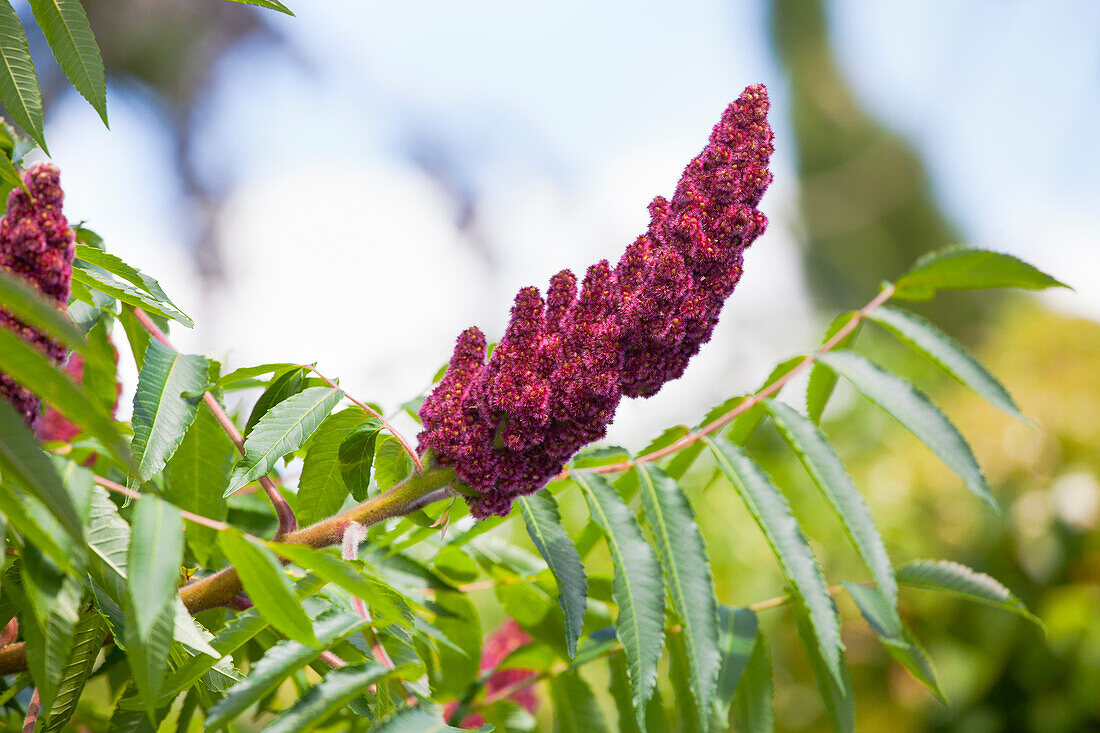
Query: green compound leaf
x=773, y=514
x=575, y=707
x=281, y=661
x=828, y=473
x=231, y=637
x=835, y=690
x=284, y=429
x=923, y=337
x=32, y=369
x=753, y=697
x=153, y=568
x=966, y=268
x=540, y=512
x=912, y=408
x=66, y=28
x=823, y=379
x=267, y=586
x=636, y=586
x=335, y=691
x=24, y=464
x=321, y=489
x=18, y=80
x=955, y=578
x=113, y=264
x=683, y=556
x=895, y=636
x=97, y=278
x=88, y=639
x=165, y=405
x=738, y=636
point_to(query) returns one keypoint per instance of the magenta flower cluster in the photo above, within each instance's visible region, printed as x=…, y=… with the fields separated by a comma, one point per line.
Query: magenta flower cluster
x=36, y=244
x=510, y=423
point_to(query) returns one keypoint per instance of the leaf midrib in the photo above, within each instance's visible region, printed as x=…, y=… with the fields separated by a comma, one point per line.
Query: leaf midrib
x=674, y=571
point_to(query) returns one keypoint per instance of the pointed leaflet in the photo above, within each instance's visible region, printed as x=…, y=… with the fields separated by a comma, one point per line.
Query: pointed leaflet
x=113, y=264
x=196, y=474
x=619, y=687
x=23, y=463
x=267, y=586
x=356, y=456
x=165, y=405
x=636, y=585
x=66, y=28
x=575, y=707
x=752, y=699
x=283, y=385
x=18, y=80
x=88, y=639
x=153, y=569
x=966, y=268
x=49, y=611
x=269, y=4
x=321, y=489
x=231, y=637
x=540, y=512
x=823, y=379
x=281, y=661
x=955, y=578
x=773, y=514
x=828, y=473
x=9, y=175
x=739, y=635
x=335, y=691
x=98, y=279
x=284, y=429
x=835, y=690
x=683, y=556
x=29, y=367
x=899, y=641
x=909, y=406
x=109, y=541
x=925, y=338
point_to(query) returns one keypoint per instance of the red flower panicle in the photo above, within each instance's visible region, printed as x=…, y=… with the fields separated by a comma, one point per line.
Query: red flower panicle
x=37, y=245
x=510, y=423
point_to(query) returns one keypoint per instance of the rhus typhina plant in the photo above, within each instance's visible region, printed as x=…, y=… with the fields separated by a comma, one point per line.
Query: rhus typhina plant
x=258, y=548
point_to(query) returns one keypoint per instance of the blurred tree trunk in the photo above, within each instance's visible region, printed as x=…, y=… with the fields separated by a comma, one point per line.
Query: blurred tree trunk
x=866, y=204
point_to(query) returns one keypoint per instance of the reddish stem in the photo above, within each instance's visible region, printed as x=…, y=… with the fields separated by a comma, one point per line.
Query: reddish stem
x=32, y=712
x=287, y=521
x=190, y=516
x=373, y=413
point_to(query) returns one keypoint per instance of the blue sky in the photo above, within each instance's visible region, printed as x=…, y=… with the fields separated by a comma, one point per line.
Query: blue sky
x=563, y=120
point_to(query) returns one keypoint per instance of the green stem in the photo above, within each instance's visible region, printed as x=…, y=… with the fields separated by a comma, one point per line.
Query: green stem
x=408, y=496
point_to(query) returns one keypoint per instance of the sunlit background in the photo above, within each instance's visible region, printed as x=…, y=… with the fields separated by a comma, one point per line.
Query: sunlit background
x=358, y=184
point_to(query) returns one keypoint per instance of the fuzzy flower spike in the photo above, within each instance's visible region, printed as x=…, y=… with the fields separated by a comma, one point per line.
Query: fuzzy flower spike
x=510, y=423
x=37, y=245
